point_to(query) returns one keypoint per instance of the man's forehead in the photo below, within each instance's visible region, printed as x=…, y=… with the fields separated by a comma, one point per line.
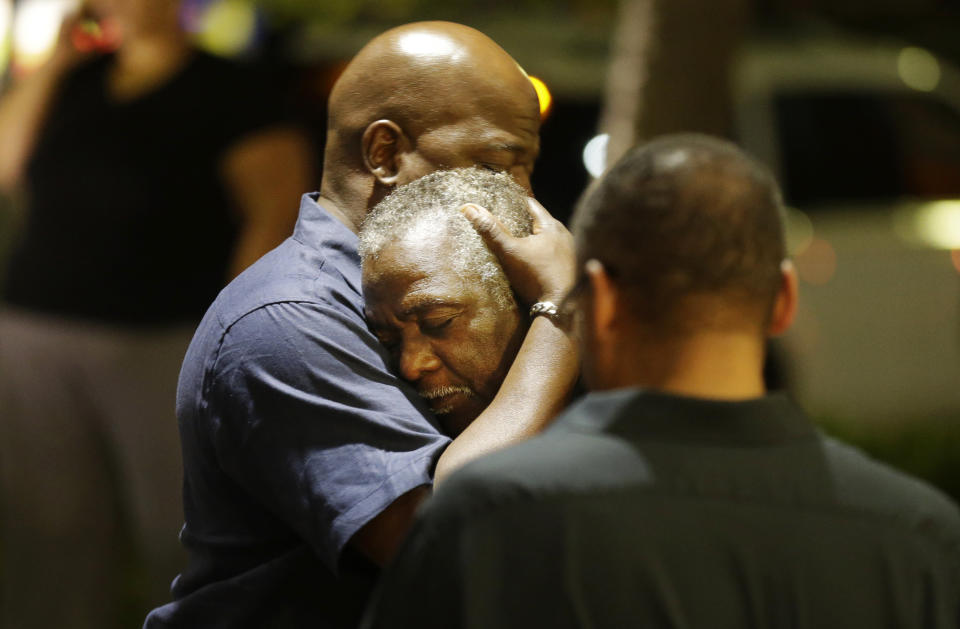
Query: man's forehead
x=515, y=135
x=424, y=296
x=419, y=252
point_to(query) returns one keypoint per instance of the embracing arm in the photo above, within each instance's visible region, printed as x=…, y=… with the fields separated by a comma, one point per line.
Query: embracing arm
x=329, y=440
x=535, y=390
x=540, y=267
x=538, y=384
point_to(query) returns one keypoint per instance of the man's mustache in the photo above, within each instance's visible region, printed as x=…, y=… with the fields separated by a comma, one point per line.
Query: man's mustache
x=439, y=392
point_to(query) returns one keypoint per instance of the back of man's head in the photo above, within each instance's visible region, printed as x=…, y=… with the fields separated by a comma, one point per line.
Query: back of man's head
x=690, y=229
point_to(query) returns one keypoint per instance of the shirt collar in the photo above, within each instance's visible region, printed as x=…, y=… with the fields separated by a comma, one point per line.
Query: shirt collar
x=318, y=229
x=638, y=415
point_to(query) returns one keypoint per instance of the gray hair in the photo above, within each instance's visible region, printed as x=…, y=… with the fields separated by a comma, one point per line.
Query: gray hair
x=427, y=211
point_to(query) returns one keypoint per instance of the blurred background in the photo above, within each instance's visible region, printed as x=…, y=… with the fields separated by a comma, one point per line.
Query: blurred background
x=854, y=104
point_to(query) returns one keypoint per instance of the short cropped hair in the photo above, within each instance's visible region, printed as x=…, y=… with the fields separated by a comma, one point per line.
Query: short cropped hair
x=427, y=210
x=683, y=216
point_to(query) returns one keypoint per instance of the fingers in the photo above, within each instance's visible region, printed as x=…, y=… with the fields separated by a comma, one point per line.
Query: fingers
x=487, y=225
x=538, y=213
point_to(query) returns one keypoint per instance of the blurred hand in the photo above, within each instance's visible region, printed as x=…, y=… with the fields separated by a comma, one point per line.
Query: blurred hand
x=540, y=266
x=66, y=52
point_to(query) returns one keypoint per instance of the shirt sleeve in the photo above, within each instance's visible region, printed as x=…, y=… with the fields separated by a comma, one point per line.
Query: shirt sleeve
x=422, y=586
x=307, y=417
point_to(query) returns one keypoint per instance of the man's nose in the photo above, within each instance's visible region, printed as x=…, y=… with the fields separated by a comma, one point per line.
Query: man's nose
x=416, y=359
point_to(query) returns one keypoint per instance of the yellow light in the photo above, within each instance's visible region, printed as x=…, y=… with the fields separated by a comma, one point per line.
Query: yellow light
x=228, y=27
x=543, y=95
x=938, y=224
x=918, y=69
x=6, y=13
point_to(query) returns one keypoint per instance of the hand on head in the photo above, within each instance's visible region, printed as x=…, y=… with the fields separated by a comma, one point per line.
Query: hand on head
x=540, y=266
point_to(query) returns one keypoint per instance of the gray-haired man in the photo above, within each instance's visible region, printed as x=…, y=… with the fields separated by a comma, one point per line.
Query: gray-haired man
x=436, y=296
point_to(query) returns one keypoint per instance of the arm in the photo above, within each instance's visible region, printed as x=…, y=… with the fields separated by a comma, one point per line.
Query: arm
x=537, y=385
x=24, y=108
x=356, y=449
x=266, y=173
x=305, y=415
x=540, y=268
x=534, y=391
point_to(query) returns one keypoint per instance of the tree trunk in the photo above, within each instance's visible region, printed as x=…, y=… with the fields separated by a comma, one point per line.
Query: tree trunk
x=670, y=69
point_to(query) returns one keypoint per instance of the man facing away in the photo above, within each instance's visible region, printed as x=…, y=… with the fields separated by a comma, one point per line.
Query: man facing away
x=304, y=455
x=678, y=493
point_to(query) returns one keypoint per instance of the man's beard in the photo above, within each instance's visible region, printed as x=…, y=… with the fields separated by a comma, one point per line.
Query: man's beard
x=440, y=392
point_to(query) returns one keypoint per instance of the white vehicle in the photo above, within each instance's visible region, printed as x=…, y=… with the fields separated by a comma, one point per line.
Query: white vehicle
x=865, y=138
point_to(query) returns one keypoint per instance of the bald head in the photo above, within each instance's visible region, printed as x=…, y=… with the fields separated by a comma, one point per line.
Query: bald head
x=422, y=97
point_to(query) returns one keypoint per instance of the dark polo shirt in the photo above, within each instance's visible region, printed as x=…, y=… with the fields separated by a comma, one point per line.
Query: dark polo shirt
x=640, y=509
x=295, y=434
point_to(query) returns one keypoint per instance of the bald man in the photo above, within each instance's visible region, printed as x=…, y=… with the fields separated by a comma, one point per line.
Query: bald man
x=305, y=457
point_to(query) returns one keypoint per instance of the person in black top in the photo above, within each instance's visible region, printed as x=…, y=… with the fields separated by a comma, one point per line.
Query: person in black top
x=150, y=176
x=678, y=493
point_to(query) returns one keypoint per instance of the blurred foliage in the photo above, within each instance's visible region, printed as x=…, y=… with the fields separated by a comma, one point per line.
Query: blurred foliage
x=928, y=448
x=352, y=11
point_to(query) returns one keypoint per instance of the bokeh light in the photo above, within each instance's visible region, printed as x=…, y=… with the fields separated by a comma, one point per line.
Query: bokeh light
x=799, y=230
x=918, y=69
x=90, y=35
x=36, y=24
x=935, y=224
x=228, y=27
x=543, y=95
x=817, y=264
x=595, y=154
x=6, y=14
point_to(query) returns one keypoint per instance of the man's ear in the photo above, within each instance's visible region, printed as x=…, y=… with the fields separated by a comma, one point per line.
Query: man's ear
x=383, y=141
x=604, y=298
x=785, y=305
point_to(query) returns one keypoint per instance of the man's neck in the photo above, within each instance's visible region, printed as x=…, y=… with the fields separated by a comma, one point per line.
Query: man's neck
x=344, y=194
x=337, y=210
x=713, y=365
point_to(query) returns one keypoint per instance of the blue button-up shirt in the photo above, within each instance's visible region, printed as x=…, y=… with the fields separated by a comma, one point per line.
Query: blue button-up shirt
x=295, y=433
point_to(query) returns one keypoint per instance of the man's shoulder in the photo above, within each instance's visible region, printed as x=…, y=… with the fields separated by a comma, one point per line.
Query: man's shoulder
x=571, y=460
x=292, y=272
x=551, y=465
x=271, y=308
x=576, y=453
x=880, y=491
